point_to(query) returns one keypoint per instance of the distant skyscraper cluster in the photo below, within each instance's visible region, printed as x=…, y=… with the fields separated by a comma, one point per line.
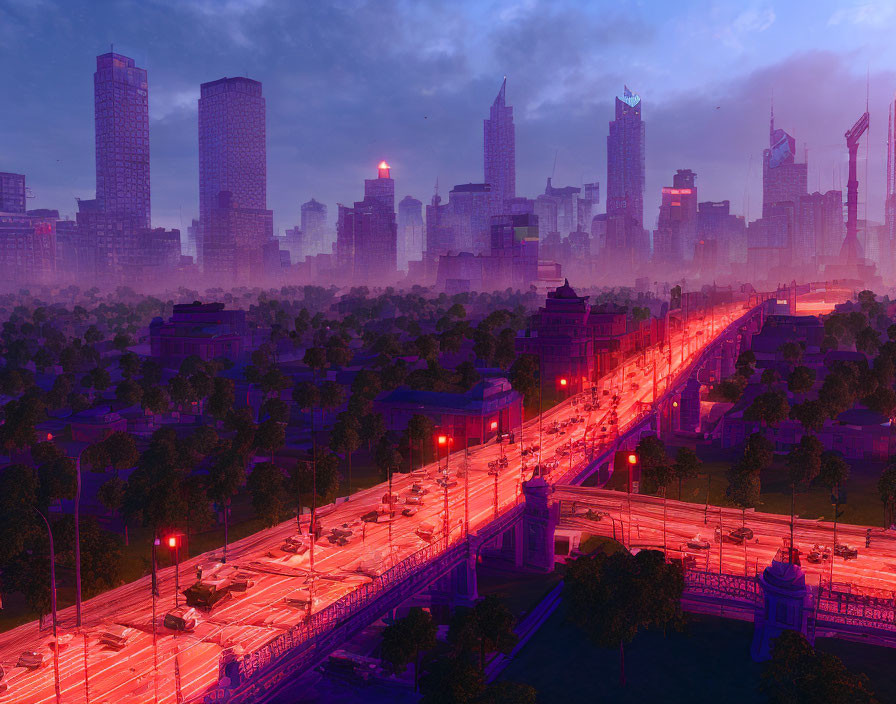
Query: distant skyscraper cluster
x=478, y=235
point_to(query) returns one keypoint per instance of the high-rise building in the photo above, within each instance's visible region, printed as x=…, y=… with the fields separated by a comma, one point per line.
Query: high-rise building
x=28, y=246
x=469, y=205
x=890, y=202
x=121, y=105
x=625, y=160
x=12, y=193
x=499, y=147
x=820, y=229
x=715, y=222
x=366, y=234
x=233, y=179
x=566, y=200
x=676, y=232
x=784, y=180
x=410, y=231
x=314, y=227
x=626, y=240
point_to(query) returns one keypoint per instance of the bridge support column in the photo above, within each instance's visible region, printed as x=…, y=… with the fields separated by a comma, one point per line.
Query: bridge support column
x=786, y=607
x=539, y=522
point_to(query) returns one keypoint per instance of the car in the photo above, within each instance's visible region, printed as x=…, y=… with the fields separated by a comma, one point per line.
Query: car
x=447, y=483
x=294, y=545
x=414, y=499
x=553, y=429
x=32, y=659
x=116, y=637
x=426, y=531
x=418, y=489
x=846, y=552
x=698, y=543
x=409, y=511
x=588, y=407
x=390, y=498
x=815, y=555
x=242, y=581
x=205, y=595
x=345, y=532
x=371, y=517
x=183, y=618
x=493, y=472
x=741, y=534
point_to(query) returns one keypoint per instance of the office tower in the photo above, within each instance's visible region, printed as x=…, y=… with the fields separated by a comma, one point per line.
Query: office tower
x=676, y=232
x=410, y=231
x=12, y=193
x=469, y=207
x=626, y=241
x=366, y=234
x=566, y=202
x=28, y=246
x=820, y=228
x=625, y=160
x=121, y=106
x=588, y=202
x=784, y=180
x=715, y=222
x=439, y=232
x=314, y=227
x=499, y=147
x=294, y=243
x=233, y=179
x=514, y=251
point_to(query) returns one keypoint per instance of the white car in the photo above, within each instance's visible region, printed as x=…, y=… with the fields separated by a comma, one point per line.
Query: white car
x=698, y=543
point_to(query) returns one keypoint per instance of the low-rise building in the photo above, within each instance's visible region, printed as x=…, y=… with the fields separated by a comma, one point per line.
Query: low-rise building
x=205, y=330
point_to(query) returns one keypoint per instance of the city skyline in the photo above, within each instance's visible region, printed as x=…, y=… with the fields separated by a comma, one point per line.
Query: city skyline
x=308, y=162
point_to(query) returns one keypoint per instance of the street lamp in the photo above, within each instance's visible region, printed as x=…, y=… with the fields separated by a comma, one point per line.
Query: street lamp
x=632, y=460
x=445, y=441
x=53, y=605
x=174, y=545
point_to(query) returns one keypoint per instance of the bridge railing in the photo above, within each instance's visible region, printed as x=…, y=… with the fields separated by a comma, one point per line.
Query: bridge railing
x=723, y=586
x=838, y=609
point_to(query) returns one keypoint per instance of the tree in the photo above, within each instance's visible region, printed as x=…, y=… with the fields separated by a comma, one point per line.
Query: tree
x=452, y=680
x=129, y=392
x=485, y=628
x=100, y=552
x=122, y=341
x=791, y=352
x=803, y=465
x=506, y=692
x=155, y=493
x=276, y=409
x=882, y=400
x=833, y=472
x=18, y=521
x=743, y=485
x=346, y=438
x=810, y=414
x=155, y=399
x=267, y=488
x=387, y=458
x=612, y=597
x=129, y=363
x=746, y=363
x=798, y=673
x=686, y=466
x=225, y=477
x=732, y=388
x=867, y=341
x=221, y=399
x=181, y=391
x=20, y=416
x=886, y=487
x=769, y=378
x=372, y=427
x=270, y=436
x=769, y=408
x=420, y=429
x=405, y=640
x=56, y=475
x=801, y=380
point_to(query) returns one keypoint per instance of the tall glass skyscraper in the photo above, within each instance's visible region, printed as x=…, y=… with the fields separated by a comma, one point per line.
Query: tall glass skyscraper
x=625, y=160
x=499, y=147
x=233, y=178
x=121, y=108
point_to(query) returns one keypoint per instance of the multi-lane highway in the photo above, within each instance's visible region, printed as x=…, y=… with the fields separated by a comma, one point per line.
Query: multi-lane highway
x=693, y=530
x=158, y=664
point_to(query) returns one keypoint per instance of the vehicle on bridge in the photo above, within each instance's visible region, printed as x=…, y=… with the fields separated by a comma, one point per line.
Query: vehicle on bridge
x=183, y=618
x=698, y=543
x=846, y=552
x=205, y=595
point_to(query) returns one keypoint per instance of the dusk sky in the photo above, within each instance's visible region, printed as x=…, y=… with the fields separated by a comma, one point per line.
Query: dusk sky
x=350, y=83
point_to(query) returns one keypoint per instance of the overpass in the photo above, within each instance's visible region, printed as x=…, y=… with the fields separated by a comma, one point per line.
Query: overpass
x=245, y=649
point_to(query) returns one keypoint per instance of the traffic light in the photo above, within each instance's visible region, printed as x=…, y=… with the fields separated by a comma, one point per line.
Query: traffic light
x=868, y=538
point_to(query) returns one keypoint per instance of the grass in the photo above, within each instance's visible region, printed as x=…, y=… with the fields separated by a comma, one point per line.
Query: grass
x=709, y=661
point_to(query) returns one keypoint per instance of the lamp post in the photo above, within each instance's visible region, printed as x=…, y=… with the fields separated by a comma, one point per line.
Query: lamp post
x=632, y=463
x=445, y=441
x=174, y=546
x=53, y=606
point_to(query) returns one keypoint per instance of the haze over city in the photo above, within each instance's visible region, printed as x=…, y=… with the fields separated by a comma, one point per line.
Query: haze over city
x=447, y=353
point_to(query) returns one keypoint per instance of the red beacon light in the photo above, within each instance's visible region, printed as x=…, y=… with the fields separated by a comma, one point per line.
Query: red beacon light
x=633, y=458
x=443, y=440
x=172, y=542
x=494, y=425
x=383, y=169
x=563, y=382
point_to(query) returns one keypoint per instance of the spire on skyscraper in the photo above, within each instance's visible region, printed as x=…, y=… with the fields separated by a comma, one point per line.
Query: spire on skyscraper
x=501, y=97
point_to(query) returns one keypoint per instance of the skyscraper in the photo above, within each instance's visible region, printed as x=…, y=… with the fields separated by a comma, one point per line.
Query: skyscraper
x=625, y=160
x=626, y=241
x=366, y=234
x=314, y=227
x=12, y=193
x=890, y=202
x=499, y=151
x=233, y=178
x=121, y=110
x=410, y=231
x=676, y=231
x=784, y=180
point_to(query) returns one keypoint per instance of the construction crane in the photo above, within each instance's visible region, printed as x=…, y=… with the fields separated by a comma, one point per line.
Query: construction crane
x=851, y=252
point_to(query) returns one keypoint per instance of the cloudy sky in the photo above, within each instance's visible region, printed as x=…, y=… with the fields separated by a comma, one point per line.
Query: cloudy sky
x=348, y=83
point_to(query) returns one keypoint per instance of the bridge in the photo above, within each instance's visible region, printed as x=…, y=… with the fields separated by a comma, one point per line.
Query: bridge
x=294, y=612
